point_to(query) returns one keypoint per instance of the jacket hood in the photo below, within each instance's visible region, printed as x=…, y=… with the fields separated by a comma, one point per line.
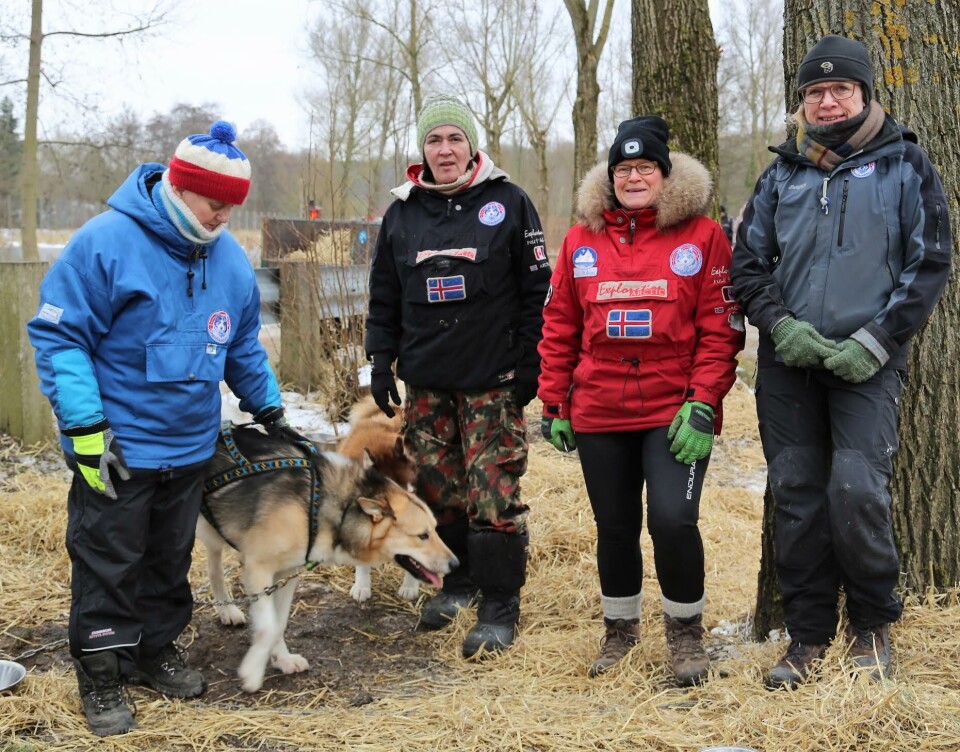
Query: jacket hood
x=133, y=198
x=684, y=194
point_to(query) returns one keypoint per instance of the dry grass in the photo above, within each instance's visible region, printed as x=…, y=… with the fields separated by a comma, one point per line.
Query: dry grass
x=537, y=697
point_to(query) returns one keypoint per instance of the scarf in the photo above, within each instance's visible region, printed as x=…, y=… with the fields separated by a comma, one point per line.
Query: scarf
x=480, y=169
x=182, y=217
x=827, y=146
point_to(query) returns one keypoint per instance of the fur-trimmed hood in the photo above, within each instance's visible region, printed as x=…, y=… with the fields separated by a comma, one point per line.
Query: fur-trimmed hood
x=685, y=194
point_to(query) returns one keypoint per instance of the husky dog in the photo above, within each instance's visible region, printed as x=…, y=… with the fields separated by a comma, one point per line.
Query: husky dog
x=281, y=509
x=373, y=433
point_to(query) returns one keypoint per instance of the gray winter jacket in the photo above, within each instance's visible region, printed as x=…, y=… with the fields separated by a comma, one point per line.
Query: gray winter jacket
x=868, y=264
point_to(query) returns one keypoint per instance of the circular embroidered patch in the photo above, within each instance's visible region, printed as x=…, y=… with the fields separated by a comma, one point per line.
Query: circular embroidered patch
x=218, y=327
x=492, y=213
x=864, y=171
x=686, y=260
x=584, y=257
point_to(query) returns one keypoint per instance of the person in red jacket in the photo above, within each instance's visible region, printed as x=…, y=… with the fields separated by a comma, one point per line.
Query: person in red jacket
x=639, y=347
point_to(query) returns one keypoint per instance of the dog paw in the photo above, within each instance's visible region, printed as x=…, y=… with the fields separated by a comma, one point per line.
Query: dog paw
x=291, y=663
x=231, y=615
x=408, y=592
x=250, y=681
x=361, y=593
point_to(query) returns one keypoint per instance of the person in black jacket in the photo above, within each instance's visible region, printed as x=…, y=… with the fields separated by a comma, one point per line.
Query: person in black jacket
x=843, y=251
x=457, y=284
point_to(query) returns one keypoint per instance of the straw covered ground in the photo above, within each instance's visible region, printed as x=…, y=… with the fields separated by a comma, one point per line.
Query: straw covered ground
x=376, y=684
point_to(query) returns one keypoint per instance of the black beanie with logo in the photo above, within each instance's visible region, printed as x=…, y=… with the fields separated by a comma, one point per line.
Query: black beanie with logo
x=641, y=138
x=836, y=58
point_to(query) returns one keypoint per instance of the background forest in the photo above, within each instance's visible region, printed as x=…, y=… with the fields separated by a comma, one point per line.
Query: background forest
x=371, y=62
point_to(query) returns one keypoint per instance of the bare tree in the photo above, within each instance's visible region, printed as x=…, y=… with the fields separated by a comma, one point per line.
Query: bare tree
x=590, y=37
x=751, y=92
x=138, y=26
x=675, y=72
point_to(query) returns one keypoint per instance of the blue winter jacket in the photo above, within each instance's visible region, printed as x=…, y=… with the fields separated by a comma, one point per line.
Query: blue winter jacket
x=870, y=267
x=118, y=335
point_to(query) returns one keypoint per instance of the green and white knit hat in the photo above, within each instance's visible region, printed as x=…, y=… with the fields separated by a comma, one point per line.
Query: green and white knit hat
x=444, y=109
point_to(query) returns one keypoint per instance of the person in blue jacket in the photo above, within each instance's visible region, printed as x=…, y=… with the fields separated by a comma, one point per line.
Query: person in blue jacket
x=150, y=305
x=843, y=251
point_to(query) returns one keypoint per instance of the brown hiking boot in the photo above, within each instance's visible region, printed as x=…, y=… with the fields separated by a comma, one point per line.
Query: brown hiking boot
x=871, y=649
x=795, y=665
x=621, y=635
x=685, y=640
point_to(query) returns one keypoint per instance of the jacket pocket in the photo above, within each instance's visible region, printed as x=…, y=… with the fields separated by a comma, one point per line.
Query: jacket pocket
x=185, y=362
x=454, y=275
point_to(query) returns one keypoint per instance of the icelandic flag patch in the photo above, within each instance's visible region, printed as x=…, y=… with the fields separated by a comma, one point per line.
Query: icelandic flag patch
x=637, y=324
x=442, y=289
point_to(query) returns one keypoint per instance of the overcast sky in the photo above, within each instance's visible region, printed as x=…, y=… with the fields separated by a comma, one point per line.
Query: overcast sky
x=245, y=55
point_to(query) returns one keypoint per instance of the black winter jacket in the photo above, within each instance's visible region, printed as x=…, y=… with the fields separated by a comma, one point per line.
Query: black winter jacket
x=457, y=285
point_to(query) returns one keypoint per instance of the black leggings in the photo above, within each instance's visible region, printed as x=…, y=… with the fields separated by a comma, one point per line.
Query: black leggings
x=615, y=468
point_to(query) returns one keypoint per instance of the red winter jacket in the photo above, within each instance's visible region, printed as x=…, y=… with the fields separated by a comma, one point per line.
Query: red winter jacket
x=639, y=316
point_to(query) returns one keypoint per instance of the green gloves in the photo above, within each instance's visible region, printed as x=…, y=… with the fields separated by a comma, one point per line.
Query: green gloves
x=802, y=346
x=854, y=362
x=692, y=432
x=559, y=433
x=96, y=450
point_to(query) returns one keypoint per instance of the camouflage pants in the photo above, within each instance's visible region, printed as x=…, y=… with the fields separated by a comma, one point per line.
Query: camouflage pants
x=470, y=449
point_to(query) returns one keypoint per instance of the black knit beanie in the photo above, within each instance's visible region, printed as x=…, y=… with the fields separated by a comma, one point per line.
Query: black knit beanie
x=638, y=137
x=836, y=58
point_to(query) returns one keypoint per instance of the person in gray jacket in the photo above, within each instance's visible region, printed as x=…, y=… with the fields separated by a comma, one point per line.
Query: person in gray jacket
x=843, y=251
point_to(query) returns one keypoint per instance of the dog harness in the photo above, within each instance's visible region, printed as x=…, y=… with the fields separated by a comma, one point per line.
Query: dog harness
x=245, y=468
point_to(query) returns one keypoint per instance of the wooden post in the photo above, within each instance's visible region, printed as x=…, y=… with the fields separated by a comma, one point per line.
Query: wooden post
x=24, y=412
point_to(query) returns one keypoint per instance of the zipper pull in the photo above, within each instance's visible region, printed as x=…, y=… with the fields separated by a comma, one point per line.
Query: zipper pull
x=824, y=201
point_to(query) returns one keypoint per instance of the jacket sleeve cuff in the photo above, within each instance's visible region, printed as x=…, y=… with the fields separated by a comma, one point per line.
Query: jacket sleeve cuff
x=560, y=410
x=872, y=344
x=701, y=394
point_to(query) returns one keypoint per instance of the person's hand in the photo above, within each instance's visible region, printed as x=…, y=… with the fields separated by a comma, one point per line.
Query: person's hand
x=559, y=433
x=525, y=385
x=383, y=386
x=801, y=345
x=96, y=450
x=691, y=432
x=854, y=362
x=274, y=422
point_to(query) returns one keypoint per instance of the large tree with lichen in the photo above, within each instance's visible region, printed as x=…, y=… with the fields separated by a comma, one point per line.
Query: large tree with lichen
x=915, y=56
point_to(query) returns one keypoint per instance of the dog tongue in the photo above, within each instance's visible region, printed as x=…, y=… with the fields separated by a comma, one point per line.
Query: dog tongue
x=432, y=579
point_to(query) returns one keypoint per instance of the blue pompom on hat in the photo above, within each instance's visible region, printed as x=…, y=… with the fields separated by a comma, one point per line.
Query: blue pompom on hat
x=211, y=165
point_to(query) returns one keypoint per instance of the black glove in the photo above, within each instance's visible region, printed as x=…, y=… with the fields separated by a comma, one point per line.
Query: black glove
x=96, y=451
x=275, y=424
x=383, y=387
x=525, y=384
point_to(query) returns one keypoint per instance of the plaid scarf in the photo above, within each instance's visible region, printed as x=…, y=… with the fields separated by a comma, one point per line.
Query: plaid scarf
x=829, y=145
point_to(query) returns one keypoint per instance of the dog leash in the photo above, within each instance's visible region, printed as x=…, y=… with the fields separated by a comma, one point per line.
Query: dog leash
x=266, y=592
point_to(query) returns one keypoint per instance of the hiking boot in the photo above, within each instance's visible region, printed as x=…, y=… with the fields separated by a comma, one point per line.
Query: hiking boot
x=105, y=702
x=497, y=618
x=167, y=673
x=685, y=640
x=795, y=666
x=871, y=649
x=621, y=635
x=443, y=608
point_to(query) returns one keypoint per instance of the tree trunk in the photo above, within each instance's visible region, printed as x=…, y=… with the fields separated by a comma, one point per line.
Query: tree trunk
x=768, y=614
x=675, y=73
x=29, y=178
x=911, y=47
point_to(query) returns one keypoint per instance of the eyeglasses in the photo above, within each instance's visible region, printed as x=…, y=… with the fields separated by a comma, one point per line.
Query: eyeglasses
x=623, y=170
x=838, y=91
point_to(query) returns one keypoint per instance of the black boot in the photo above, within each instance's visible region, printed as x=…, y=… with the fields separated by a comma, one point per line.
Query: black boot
x=498, y=563
x=458, y=590
x=168, y=673
x=101, y=692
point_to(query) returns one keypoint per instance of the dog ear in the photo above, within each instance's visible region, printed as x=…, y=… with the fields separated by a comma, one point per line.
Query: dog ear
x=398, y=451
x=367, y=459
x=375, y=509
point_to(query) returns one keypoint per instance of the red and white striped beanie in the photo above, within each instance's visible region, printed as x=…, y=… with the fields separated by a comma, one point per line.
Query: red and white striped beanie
x=212, y=166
